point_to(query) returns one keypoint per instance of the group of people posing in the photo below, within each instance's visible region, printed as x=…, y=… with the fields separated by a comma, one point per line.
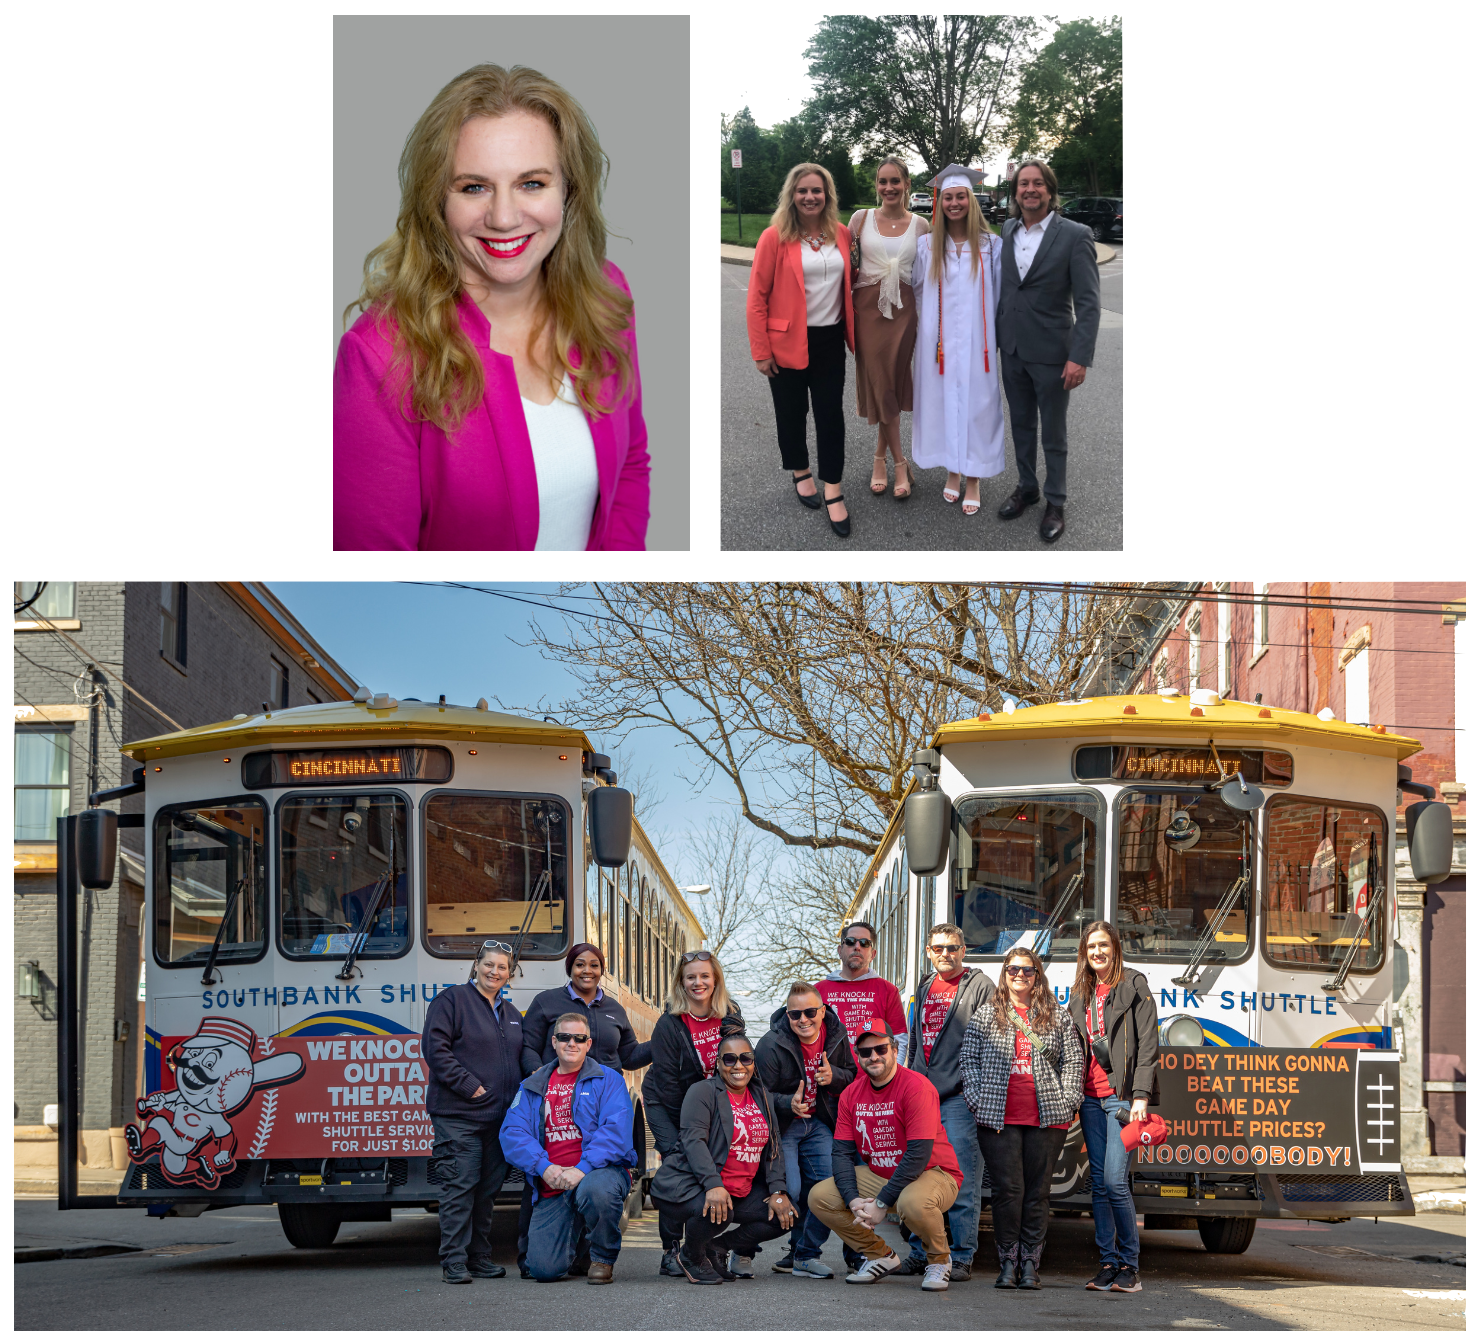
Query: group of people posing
x=940, y=316
x=842, y=1113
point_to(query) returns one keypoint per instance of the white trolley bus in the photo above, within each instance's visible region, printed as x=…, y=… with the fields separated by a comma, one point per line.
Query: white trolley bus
x=1245, y=854
x=315, y=876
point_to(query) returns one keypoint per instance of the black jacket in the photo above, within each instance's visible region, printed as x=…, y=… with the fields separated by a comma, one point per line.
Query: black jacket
x=707, y=1130
x=465, y=1047
x=613, y=1041
x=1133, y=1027
x=778, y=1063
x=943, y=1065
x=675, y=1067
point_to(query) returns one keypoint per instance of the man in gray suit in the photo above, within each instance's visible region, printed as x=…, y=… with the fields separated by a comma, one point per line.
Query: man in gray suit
x=1047, y=320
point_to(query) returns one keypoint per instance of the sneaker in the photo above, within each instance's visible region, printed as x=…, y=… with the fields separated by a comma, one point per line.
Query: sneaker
x=719, y=1260
x=784, y=1265
x=699, y=1273
x=959, y=1272
x=485, y=1271
x=742, y=1267
x=813, y=1267
x=671, y=1266
x=1128, y=1281
x=456, y=1274
x=1104, y=1281
x=936, y=1276
x=874, y=1269
x=912, y=1266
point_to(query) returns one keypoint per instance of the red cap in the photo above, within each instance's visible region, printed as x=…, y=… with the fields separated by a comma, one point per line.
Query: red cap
x=875, y=1027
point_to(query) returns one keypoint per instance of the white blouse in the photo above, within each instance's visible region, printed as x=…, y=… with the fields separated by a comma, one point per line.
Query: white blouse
x=565, y=467
x=888, y=260
x=822, y=270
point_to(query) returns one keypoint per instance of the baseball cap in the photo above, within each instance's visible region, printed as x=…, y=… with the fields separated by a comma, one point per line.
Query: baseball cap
x=875, y=1027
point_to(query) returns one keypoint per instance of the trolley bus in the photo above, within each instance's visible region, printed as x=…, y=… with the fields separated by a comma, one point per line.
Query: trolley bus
x=1245, y=854
x=315, y=876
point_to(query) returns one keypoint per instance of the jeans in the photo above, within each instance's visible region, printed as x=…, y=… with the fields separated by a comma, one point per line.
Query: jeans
x=593, y=1206
x=807, y=1149
x=1109, y=1175
x=1021, y=1160
x=470, y=1165
x=963, y=1221
x=750, y=1216
x=822, y=379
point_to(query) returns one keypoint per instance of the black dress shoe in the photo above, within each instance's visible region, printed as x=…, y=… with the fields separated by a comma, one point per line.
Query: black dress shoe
x=813, y=500
x=843, y=528
x=1018, y=504
x=1052, y=523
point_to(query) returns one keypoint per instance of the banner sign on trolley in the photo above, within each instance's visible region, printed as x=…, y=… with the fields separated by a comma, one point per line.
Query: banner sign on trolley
x=1326, y=1111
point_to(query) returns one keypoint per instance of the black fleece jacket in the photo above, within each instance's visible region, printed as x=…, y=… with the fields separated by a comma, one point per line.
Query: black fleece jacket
x=942, y=1066
x=707, y=1131
x=613, y=1041
x=779, y=1064
x=675, y=1067
x=1131, y=1020
x=466, y=1046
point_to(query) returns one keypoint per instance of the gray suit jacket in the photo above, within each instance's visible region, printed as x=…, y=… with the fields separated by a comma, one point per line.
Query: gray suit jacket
x=1035, y=315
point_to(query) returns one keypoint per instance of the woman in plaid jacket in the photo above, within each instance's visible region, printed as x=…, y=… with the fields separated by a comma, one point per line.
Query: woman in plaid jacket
x=1022, y=1073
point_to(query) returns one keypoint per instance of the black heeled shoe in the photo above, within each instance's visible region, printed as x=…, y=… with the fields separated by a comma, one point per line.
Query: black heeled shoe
x=843, y=528
x=812, y=500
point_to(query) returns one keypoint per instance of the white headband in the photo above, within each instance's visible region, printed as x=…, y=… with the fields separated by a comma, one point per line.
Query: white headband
x=951, y=182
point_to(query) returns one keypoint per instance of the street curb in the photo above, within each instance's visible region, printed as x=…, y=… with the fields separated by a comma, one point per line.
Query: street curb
x=76, y=1250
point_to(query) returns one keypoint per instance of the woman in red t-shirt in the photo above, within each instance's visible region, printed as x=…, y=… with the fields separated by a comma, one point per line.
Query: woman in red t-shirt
x=1022, y=1073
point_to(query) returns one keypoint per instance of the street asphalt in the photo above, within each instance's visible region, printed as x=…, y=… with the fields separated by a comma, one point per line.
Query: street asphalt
x=760, y=511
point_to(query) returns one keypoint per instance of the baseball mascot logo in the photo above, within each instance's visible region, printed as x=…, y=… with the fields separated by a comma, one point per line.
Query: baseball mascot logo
x=189, y=1128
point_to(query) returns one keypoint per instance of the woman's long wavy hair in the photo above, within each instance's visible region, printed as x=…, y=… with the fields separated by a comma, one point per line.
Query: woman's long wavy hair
x=1086, y=980
x=1042, y=1007
x=975, y=225
x=720, y=1003
x=413, y=281
x=787, y=221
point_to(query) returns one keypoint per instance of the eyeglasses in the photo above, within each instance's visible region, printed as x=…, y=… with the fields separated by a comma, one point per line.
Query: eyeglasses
x=872, y=1051
x=695, y=956
x=857, y=942
x=494, y=945
x=940, y=949
x=570, y=1037
x=744, y=1060
x=802, y=1013
x=1020, y=971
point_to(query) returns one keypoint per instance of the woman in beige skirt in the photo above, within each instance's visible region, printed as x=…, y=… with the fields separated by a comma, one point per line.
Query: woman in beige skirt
x=884, y=318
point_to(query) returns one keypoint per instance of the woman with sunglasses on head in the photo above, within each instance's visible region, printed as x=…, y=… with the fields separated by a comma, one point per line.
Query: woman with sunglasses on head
x=805, y=1061
x=1116, y=1018
x=728, y=1169
x=685, y=1050
x=1022, y=1073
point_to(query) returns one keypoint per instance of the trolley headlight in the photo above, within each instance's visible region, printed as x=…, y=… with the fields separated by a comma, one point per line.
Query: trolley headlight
x=1182, y=1030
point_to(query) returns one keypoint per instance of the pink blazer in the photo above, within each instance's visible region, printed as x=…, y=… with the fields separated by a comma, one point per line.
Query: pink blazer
x=775, y=309
x=404, y=486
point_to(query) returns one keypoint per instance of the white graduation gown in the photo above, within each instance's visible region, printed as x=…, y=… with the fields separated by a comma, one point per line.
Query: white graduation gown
x=957, y=415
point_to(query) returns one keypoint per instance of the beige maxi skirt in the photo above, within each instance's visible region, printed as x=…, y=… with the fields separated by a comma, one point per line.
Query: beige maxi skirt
x=885, y=355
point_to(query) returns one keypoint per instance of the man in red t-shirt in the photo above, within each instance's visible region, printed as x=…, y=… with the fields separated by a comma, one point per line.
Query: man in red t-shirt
x=858, y=995
x=891, y=1118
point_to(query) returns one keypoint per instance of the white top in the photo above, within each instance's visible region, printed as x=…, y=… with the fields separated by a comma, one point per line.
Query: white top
x=1025, y=244
x=888, y=260
x=822, y=270
x=565, y=466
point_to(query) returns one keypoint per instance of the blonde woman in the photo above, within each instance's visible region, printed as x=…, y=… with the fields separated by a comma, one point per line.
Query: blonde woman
x=489, y=397
x=685, y=1045
x=885, y=318
x=799, y=316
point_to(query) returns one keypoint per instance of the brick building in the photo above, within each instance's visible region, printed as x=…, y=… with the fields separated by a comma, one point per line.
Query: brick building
x=1369, y=652
x=99, y=664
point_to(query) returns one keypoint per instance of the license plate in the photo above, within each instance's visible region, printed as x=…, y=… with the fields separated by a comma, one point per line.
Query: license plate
x=1172, y=1192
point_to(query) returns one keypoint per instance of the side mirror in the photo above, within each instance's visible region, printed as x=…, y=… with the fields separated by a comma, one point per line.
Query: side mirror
x=1238, y=794
x=609, y=815
x=927, y=831
x=1430, y=840
x=97, y=848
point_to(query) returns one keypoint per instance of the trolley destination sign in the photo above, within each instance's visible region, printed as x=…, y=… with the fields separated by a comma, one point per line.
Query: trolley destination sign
x=1328, y=1111
x=345, y=767
x=1134, y=762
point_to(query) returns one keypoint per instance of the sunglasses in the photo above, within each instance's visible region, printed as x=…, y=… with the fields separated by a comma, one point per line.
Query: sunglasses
x=857, y=942
x=867, y=1051
x=940, y=949
x=802, y=1013
x=1020, y=971
x=695, y=956
x=569, y=1037
x=493, y=945
x=744, y=1060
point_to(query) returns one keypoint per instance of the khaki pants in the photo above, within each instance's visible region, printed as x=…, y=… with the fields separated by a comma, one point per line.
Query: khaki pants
x=922, y=1204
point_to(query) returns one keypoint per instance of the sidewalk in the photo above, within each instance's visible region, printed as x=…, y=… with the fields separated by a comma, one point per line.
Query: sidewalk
x=1438, y=1183
x=743, y=254
x=42, y=1181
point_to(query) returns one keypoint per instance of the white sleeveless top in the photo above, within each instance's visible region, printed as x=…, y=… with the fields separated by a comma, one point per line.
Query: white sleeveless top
x=888, y=260
x=565, y=467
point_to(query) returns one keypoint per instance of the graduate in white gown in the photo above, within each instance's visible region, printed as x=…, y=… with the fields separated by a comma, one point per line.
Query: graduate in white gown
x=957, y=397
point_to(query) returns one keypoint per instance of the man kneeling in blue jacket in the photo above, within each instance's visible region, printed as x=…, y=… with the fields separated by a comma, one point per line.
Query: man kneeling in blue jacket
x=571, y=1128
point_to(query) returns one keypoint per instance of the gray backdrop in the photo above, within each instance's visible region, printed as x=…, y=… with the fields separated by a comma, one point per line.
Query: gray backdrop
x=631, y=76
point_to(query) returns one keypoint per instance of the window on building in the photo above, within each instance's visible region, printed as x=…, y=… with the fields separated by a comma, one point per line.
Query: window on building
x=313, y=697
x=1194, y=648
x=43, y=784
x=277, y=684
x=1358, y=688
x=58, y=600
x=1260, y=619
x=172, y=603
x=1224, y=641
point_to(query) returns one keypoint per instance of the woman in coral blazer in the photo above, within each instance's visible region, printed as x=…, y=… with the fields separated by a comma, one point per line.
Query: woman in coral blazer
x=799, y=315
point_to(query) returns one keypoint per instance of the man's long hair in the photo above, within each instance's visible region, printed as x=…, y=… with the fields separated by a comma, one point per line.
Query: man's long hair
x=1054, y=203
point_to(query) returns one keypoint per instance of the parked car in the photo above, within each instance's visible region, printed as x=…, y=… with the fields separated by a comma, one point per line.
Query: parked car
x=1104, y=217
x=991, y=210
x=920, y=201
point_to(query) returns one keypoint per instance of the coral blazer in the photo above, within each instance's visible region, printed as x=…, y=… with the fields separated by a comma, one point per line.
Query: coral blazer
x=775, y=312
x=400, y=485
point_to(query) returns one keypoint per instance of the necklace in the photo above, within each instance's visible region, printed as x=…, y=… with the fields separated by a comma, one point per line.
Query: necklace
x=814, y=241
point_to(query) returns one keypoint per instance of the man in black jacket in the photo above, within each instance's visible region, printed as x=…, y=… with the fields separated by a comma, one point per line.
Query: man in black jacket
x=944, y=1004
x=472, y=1043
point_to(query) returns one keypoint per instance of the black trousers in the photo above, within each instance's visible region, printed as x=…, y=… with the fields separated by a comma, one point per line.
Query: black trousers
x=470, y=1165
x=1034, y=391
x=823, y=379
x=1020, y=1161
x=749, y=1218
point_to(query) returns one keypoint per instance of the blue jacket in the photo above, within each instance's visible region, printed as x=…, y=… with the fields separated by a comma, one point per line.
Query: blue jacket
x=601, y=1107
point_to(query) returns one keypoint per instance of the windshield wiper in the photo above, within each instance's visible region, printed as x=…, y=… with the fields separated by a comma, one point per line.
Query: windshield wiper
x=361, y=934
x=1075, y=884
x=1338, y=983
x=210, y=961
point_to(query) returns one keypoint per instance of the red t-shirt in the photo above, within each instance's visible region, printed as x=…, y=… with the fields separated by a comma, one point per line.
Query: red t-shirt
x=705, y=1040
x=883, y=1121
x=811, y=1057
x=857, y=1002
x=1021, y=1085
x=562, y=1140
x=750, y=1135
x=937, y=1001
x=1096, y=1083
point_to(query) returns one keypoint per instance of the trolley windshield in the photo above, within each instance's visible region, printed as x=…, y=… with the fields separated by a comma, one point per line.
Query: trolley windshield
x=210, y=881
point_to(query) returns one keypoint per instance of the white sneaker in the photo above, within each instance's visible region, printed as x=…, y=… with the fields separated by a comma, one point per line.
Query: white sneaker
x=936, y=1276
x=874, y=1269
x=813, y=1268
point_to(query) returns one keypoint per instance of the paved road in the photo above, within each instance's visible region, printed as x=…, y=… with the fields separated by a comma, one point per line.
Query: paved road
x=376, y=1276
x=760, y=512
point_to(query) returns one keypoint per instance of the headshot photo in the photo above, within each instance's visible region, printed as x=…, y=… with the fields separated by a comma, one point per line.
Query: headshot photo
x=511, y=334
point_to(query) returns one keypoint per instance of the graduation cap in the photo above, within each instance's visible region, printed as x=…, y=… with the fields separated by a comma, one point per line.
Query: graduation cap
x=955, y=175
